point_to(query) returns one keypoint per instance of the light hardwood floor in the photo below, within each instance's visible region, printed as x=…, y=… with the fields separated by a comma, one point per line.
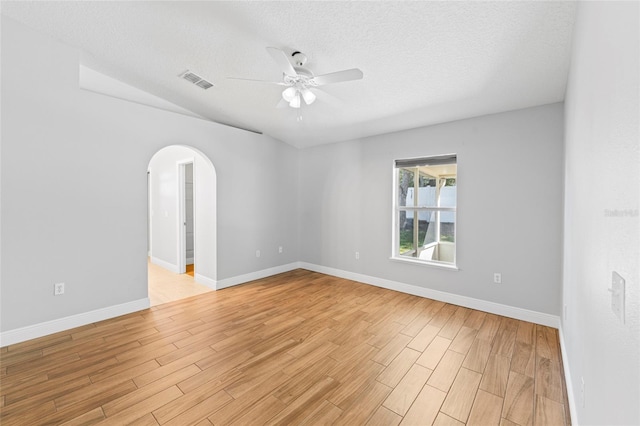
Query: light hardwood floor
x=296, y=348
x=166, y=286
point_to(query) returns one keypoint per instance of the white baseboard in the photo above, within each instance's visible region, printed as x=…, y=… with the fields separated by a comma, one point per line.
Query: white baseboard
x=45, y=328
x=571, y=396
x=241, y=279
x=469, y=302
x=166, y=265
x=38, y=330
x=201, y=279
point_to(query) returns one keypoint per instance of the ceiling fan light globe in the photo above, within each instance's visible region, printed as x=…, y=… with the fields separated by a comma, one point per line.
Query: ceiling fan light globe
x=308, y=96
x=289, y=94
x=295, y=102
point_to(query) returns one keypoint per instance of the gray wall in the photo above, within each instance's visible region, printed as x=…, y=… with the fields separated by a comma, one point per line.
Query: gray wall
x=602, y=178
x=73, y=184
x=510, y=189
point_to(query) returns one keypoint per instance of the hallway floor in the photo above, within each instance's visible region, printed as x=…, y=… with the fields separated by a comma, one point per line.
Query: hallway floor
x=166, y=286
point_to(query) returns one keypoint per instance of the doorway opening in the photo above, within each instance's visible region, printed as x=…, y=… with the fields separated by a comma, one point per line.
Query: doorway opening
x=182, y=224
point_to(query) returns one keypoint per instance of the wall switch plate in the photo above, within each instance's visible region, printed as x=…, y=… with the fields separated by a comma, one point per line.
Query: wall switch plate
x=257, y=253
x=582, y=398
x=617, y=295
x=58, y=289
x=280, y=249
x=497, y=277
x=357, y=255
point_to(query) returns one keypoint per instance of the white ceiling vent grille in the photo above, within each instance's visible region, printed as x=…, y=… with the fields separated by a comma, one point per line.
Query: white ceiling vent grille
x=196, y=79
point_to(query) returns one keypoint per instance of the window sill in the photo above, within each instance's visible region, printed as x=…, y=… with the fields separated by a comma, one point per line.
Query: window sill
x=440, y=265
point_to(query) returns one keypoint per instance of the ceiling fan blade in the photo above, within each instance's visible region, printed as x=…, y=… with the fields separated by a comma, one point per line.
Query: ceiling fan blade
x=338, y=77
x=328, y=99
x=257, y=81
x=282, y=60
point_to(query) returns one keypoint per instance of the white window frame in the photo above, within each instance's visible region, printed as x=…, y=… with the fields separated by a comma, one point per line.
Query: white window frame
x=396, y=256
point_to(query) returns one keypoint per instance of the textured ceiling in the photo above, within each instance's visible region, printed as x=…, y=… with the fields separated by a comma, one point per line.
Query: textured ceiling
x=423, y=62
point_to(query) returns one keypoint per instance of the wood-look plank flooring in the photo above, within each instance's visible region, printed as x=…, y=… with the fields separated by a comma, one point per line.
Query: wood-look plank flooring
x=166, y=286
x=296, y=348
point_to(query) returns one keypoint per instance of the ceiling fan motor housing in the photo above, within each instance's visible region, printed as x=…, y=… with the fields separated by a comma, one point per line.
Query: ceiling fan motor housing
x=299, y=58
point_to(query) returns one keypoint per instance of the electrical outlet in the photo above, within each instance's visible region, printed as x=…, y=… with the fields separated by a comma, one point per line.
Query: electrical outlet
x=617, y=295
x=566, y=314
x=58, y=289
x=582, y=399
x=257, y=253
x=357, y=255
x=497, y=277
x=280, y=249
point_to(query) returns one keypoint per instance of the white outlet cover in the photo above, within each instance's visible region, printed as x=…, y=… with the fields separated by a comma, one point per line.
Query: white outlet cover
x=617, y=295
x=58, y=289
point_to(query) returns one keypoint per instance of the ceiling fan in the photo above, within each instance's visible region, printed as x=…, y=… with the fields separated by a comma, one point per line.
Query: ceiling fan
x=299, y=80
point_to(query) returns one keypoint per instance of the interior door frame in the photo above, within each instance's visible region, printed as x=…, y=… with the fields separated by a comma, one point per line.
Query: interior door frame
x=182, y=213
x=149, y=216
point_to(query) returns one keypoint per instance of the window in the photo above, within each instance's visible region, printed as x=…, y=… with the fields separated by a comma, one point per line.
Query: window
x=425, y=210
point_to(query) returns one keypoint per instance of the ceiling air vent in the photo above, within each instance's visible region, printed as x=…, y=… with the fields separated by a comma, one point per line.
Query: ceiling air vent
x=196, y=79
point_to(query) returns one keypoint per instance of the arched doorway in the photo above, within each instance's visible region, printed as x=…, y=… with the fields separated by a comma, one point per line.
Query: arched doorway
x=182, y=224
